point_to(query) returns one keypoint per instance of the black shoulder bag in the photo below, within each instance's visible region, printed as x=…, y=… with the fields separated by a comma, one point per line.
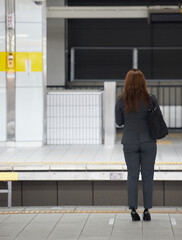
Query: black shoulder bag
x=156, y=122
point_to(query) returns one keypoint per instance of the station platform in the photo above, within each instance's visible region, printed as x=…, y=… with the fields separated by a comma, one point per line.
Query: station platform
x=94, y=175
x=88, y=223
x=86, y=162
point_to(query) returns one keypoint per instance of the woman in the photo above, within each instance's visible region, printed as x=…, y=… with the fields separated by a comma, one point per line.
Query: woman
x=138, y=145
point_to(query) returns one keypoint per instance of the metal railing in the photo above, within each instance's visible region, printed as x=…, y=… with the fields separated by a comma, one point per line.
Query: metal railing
x=133, y=54
x=170, y=100
x=168, y=96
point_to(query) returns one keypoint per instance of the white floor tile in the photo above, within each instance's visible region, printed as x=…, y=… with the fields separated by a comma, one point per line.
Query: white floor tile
x=32, y=158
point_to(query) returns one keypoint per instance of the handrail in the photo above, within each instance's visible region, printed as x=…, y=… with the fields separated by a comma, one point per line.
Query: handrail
x=134, y=62
x=131, y=48
x=101, y=86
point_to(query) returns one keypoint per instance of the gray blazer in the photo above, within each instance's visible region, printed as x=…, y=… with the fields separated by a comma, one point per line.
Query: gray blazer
x=136, y=129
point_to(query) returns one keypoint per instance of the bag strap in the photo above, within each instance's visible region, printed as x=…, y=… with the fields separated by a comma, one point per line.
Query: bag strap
x=152, y=106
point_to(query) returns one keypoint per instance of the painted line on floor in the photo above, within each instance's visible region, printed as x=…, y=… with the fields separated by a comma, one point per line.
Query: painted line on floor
x=101, y=211
x=10, y=212
x=173, y=221
x=8, y=176
x=51, y=211
x=164, y=142
x=111, y=221
x=86, y=211
x=67, y=163
x=159, y=211
x=170, y=163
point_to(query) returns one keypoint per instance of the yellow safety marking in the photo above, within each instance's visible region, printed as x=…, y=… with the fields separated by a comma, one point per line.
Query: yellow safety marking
x=102, y=211
x=35, y=163
x=164, y=142
x=181, y=10
x=8, y=176
x=36, y=61
x=87, y=211
x=170, y=211
x=67, y=163
x=170, y=163
x=20, y=57
x=43, y=212
x=2, y=61
x=153, y=211
x=10, y=212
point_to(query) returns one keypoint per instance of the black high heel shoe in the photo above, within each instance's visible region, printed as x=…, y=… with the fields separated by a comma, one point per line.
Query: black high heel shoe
x=135, y=216
x=146, y=216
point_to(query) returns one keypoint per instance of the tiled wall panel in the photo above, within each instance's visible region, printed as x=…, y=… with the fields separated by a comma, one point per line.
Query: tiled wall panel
x=74, y=118
x=29, y=80
x=28, y=37
x=2, y=10
x=29, y=102
x=3, y=113
x=27, y=11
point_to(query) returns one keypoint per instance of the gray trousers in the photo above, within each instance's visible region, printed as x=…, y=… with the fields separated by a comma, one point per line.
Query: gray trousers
x=140, y=156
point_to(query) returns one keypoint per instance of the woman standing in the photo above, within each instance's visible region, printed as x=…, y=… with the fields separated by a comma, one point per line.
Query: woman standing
x=138, y=145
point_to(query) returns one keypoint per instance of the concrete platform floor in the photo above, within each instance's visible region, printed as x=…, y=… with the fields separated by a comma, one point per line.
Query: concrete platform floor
x=87, y=157
x=88, y=223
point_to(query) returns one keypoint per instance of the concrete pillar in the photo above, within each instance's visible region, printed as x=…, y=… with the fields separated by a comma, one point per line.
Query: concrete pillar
x=10, y=69
x=29, y=77
x=29, y=74
x=3, y=103
x=109, y=113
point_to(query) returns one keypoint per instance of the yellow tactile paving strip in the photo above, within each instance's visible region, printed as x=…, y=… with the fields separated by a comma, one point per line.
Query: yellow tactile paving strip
x=109, y=163
x=8, y=176
x=161, y=142
x=85, y=211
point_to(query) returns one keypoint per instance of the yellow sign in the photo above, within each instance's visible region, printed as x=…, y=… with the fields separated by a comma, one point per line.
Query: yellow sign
x=10, y=64
x=19, y=61
x=8, y=176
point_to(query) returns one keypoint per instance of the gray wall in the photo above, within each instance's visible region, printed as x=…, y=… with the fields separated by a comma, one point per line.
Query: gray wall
x=55, y=48
x=120, y=2
x=114, y=64
x=55, y=3
x=90, y=193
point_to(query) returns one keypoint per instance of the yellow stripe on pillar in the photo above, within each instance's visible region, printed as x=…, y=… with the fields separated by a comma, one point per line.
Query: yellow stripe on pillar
x=2, y=61
x=36, y=61
x=20, y=57
x=8, y=176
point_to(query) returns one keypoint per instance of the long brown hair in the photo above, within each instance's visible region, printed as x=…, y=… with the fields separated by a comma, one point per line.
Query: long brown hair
x=135, y=90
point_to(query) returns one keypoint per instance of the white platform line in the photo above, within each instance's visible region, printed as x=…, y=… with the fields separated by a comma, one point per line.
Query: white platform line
x=111, y=221
x=173, y=221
